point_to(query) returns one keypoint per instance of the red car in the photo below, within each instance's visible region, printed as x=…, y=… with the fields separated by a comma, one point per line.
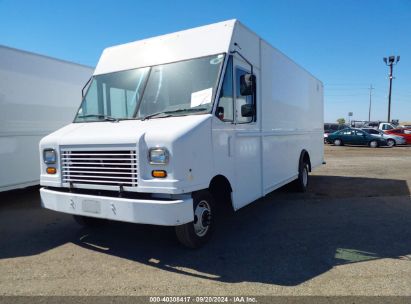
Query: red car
x=406, y=133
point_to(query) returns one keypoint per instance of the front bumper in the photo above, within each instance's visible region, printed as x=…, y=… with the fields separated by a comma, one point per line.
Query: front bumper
x=401, y=141
x=155, y=212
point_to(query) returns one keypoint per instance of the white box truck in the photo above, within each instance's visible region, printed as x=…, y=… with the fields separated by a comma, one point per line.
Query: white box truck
x=38, y=95
x=175, y=126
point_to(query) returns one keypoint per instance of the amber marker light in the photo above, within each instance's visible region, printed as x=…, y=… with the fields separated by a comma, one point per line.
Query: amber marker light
x=159, y=173
x=51, y=170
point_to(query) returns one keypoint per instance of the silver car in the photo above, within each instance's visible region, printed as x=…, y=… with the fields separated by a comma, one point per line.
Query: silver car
x=392, y=140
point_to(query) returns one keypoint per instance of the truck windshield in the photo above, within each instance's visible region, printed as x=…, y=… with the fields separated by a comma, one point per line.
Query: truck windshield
x=174, y=89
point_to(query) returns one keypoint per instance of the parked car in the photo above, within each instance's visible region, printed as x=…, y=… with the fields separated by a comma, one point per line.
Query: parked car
x=381, y=125
x=373, y=124
x=331, y=128
x=355, y=137
x=392, y=139
x=403, y=132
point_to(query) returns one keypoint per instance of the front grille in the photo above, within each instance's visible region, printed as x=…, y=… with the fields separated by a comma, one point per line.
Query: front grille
x=99, y=167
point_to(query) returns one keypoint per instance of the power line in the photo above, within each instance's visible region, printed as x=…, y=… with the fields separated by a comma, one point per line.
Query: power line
x=345, y=95
x=369, y=108
x=345, y=89
x=346, y=84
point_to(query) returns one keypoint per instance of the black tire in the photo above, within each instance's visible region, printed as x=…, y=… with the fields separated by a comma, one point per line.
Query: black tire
x=338, y=142
x=301, y=183
x=373, y=144
x=391, y=142
x=86, y=221
x=192, y=234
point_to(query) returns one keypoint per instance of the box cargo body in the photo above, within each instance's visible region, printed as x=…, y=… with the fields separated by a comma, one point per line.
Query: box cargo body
x=38, y=95
x=186, y=122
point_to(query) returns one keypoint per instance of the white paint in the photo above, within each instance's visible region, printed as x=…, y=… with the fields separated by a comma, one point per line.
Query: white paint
x=38, y=95
x=156, y=212
x=256, y=157
x=193, y=43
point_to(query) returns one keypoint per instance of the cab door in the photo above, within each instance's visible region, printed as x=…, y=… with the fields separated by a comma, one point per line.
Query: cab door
x=247, y=143
x=348, y=137
x=361, y=137
x=223, y=126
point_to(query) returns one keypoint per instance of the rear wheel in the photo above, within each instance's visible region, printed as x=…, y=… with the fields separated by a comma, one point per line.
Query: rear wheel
x=195, y=234
x=390, y=142
x=86, y=221
x=373, y=144
x=301, y=184
x=338, y=142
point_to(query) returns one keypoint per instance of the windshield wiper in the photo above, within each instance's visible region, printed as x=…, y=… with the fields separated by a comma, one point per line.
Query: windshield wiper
x=182, y=110
x=105, y=117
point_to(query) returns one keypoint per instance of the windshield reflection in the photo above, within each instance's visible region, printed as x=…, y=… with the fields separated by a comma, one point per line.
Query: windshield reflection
x=174, y=89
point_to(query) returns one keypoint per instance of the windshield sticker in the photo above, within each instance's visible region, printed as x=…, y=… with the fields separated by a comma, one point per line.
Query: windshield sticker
x=201, y=97
x=217, y=59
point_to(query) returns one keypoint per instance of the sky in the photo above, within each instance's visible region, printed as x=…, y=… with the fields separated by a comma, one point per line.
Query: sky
x=340, y=42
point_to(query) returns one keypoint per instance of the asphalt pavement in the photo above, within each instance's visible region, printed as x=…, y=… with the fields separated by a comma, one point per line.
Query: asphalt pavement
x=349, y=235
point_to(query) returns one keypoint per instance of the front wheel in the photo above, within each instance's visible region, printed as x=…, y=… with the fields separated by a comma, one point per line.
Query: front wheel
x=390, y=142
x=196, y=233
x=338, y=142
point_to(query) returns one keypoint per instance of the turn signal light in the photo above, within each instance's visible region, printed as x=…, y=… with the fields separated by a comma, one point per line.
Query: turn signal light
x=51, y=170
x=159, y=173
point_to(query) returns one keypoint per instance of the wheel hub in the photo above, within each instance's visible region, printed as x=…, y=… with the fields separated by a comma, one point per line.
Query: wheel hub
x=305, y=176
x=202, y=217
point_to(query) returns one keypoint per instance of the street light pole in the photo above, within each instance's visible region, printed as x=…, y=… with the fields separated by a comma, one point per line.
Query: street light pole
x=391, y=61
x=389, y=94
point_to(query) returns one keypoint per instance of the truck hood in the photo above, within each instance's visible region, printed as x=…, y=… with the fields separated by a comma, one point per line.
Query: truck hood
x=123, y=132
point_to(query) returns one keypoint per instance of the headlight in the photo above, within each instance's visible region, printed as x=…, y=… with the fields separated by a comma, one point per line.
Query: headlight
x=158, y=156
x=49, y=156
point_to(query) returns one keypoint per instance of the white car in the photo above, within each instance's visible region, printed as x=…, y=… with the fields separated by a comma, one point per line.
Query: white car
x=392, y=140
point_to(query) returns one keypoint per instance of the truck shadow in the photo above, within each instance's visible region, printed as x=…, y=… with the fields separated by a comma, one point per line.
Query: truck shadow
x=26, y=229
x=284, y=238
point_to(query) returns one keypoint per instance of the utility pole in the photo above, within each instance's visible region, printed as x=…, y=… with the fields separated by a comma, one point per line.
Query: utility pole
x=369, y=108
x=390, y=61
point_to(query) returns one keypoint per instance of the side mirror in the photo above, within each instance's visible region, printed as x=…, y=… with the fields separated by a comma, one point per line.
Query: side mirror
x=220, y=113
x=247, y=110
x=247, y=84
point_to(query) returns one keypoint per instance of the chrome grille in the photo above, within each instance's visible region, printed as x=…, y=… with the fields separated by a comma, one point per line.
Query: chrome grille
x=99, y=167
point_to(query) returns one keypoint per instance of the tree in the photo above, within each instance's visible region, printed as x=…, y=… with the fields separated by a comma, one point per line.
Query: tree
x=341, y=121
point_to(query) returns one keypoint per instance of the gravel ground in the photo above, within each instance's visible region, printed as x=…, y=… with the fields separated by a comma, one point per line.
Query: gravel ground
x=349, y=235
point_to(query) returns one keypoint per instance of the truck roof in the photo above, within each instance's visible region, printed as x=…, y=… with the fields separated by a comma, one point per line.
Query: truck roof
x=187, y=44
x=192, y=43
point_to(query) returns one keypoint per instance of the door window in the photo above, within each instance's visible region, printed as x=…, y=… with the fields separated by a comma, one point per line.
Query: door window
x=387, y=127
x=225, y=108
